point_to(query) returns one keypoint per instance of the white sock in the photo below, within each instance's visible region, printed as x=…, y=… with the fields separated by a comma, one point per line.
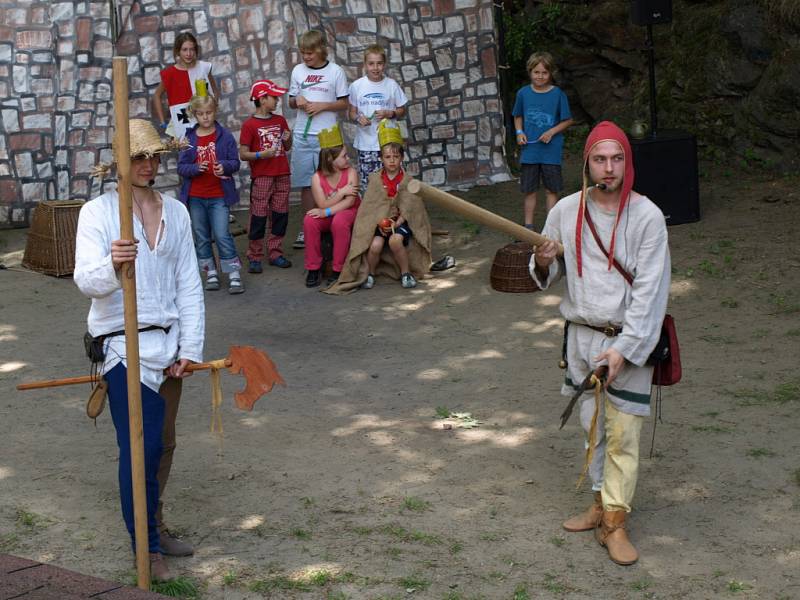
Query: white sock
x=235, y=275
x=211, y=273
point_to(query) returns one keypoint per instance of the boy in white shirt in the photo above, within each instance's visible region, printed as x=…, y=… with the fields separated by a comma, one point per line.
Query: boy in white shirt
x=372, y=98
x=318, y=90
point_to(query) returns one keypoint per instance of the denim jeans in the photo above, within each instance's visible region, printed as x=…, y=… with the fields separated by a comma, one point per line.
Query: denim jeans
x=210, y=222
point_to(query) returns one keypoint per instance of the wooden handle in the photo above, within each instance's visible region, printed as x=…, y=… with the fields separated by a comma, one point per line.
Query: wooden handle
x=36, y=385
x=477, y=214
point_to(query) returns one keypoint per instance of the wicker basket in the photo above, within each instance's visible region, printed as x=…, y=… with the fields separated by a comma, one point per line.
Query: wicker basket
x=50, y=248
x=510, y=269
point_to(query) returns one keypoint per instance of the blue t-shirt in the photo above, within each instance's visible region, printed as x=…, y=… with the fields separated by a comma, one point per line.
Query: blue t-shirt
x=540, y=112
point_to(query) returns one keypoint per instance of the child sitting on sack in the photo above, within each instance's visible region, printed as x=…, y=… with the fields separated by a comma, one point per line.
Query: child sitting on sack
x=392, y=233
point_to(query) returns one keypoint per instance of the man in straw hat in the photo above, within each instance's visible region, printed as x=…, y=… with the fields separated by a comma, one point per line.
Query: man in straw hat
x=610, y=322
x=171, y=319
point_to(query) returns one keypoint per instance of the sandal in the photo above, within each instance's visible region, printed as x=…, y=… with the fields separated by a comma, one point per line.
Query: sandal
x=235, y=286
x=212, y=283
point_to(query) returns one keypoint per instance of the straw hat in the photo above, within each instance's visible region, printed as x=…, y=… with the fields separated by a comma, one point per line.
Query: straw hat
x=144, y=143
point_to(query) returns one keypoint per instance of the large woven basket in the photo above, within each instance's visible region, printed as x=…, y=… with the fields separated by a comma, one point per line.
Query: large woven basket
x=510, y=269
x=50, y=248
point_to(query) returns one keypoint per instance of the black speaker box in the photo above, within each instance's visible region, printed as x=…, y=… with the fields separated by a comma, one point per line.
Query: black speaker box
x=651, y=12
x=666, y=172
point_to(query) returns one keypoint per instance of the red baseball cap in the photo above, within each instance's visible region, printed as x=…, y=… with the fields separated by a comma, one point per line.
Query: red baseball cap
x=264, y=87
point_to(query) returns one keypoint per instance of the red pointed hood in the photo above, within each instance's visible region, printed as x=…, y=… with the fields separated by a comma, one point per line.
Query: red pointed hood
x=603, y=132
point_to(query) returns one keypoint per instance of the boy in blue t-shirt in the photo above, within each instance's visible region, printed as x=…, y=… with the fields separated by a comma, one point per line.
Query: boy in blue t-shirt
x=541, y=114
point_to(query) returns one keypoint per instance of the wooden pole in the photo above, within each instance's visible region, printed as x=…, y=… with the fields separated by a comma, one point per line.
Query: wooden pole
x=48, y=383
x=477, y=214
x=128, y=277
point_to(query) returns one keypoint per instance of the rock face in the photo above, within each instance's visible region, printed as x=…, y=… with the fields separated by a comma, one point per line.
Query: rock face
x=55, y=80
x=726, y=70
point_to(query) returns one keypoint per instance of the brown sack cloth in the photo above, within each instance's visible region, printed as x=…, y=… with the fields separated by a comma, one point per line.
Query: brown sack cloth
x=376, y=206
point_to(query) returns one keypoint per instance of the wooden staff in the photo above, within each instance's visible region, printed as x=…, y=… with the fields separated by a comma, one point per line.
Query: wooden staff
x=477, y=214
x=122, y=146
x=49, y=383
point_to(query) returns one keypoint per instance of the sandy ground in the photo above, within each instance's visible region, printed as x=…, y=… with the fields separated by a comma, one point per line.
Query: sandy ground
x=345, y=484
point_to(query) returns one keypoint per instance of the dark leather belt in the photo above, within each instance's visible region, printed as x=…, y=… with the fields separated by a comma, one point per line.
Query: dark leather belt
x=142, y=330
x=608, y=330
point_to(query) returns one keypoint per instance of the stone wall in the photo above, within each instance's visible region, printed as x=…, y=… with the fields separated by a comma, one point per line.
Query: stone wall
x=55, y=79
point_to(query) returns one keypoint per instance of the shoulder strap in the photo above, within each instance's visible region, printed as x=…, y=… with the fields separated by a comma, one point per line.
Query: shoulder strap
x=617, y=266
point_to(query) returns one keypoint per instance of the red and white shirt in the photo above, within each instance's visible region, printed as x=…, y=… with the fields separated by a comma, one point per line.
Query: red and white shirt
x=180, y=86
x=206, y=184
x=265, y=133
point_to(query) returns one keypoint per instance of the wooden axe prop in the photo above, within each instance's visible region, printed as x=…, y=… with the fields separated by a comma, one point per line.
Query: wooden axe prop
x=259, y=372
x=477, y=214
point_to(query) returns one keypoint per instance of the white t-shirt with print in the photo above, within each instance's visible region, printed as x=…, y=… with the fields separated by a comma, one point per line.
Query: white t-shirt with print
x=324, y=84
x=368, y=96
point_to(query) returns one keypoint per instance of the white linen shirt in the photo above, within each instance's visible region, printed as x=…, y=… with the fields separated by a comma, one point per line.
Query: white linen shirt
x=168, y=288
x=602, y=297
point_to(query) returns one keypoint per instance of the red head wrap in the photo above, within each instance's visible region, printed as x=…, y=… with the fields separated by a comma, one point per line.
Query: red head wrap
x=604, y=131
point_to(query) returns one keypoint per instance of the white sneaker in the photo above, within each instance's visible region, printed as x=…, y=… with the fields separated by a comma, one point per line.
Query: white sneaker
x=300, y=241
x=369, y=283
x=407, y=280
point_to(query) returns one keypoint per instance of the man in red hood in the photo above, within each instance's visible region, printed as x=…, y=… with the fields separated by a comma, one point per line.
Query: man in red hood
x=614, y=320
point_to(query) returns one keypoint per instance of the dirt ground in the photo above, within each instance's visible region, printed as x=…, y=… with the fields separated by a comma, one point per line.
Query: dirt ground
x=345, y=484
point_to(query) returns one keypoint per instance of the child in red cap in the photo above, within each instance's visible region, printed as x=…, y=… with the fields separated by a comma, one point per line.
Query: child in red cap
x=264, y=141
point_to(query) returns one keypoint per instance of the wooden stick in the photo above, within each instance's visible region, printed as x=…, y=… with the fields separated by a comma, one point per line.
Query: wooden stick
x=122, y=145
x=48, y=383
x=477, y=214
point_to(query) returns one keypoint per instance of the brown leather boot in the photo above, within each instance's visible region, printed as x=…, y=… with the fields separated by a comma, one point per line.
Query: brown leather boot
x=613, y=536
x=173, y=546
x=586, y=520
x=158, y=567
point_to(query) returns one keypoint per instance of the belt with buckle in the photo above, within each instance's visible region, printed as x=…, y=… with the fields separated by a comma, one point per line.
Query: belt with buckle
x=607, y=330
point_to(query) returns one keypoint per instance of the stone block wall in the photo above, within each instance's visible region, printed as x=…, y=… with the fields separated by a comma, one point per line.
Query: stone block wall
x=55, y=79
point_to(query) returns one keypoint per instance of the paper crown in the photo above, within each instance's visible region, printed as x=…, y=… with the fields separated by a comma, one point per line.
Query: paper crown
x=388, y=133
x=330, y=138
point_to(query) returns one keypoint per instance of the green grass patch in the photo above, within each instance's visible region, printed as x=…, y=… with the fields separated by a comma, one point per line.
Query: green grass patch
x=456, y=547
x=415, y=504
x=551, y=584
x=300, y=533
x=414, y=583
x=29, y=519
x=557, y=541
x=729, y=303
x=401, y=533
x=760, y=453
x=278, y=582
x=641, y=586
x=710, y=429
x=442, y=412
x=797, y=477
x=793, y=332
x=359, y=530
x=782, y=393
x=734, y=587
x=521, y=592
x=180, y=587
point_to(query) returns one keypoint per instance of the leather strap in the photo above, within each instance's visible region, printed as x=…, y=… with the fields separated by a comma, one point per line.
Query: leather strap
x=617, y=266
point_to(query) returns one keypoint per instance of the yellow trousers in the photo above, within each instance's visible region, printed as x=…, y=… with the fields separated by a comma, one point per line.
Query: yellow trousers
x=615, y=464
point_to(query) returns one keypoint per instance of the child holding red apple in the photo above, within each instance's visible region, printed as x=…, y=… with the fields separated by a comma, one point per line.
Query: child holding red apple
x=392, y=234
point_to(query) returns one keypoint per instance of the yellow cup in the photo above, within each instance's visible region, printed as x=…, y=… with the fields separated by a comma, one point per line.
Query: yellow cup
x=200, y=87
